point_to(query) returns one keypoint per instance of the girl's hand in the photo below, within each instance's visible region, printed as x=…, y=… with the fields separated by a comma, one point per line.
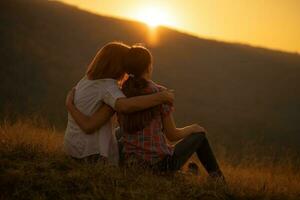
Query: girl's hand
x=168, y=96
x=70, y=98
x=196, y=128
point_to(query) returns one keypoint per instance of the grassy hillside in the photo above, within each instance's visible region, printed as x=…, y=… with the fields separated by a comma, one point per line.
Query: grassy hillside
x=33, y=166
x=239, y=93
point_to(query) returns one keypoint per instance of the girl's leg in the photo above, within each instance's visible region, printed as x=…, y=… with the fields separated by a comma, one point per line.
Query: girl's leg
x=208, y=159
x=196, y=142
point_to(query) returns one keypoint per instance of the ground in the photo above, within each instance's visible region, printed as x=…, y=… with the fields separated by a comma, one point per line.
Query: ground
x=33, y=166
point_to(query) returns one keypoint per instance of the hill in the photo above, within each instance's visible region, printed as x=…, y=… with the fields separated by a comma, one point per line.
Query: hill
x=239, y=93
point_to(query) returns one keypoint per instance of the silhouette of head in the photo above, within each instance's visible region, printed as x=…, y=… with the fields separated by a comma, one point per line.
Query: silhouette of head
x=108, y=62
x=138, y=64
x=138, y=61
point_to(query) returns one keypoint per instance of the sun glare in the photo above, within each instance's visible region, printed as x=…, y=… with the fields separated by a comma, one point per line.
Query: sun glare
x=154, y=16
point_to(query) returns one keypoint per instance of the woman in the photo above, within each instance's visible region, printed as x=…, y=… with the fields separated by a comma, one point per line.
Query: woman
x=99, y=90
x=144, y=131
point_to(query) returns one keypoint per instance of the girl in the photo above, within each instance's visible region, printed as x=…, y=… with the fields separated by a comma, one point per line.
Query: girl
x=144, y=131
x=99, y=90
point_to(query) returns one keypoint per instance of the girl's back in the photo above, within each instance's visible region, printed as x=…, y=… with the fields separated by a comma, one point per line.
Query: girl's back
x=149, y=143
x=89, y=96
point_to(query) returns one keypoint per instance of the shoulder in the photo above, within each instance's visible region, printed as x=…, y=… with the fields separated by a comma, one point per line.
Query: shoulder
x=99, y=82
x=112, y=87
x=104, y=86
x=156, y=86
x=109, y=82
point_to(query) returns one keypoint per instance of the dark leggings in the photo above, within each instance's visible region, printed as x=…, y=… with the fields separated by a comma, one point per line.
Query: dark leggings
x=194, y=143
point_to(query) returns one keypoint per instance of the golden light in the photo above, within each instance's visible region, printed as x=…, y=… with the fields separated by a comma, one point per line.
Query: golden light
x=154, y=16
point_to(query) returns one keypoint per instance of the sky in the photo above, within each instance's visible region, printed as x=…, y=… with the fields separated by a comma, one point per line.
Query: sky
x=272, y=24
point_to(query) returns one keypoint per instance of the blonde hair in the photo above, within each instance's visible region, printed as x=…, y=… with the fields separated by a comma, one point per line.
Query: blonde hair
x=108, y=62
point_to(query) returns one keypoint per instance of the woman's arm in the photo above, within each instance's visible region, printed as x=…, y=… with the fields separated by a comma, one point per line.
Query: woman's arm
x=133, y=104
x=174, y=134
x=127, y=105
x=89, y=124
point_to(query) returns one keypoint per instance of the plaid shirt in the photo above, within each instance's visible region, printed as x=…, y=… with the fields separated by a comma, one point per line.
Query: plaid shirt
x=150, y=143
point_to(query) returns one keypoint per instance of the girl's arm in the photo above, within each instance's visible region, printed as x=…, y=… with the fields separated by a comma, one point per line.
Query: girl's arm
x=174, y=134
x=89, y=124
x=133, y=104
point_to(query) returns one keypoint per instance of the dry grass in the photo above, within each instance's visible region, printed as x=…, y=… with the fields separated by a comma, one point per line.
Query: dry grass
x=33, y=166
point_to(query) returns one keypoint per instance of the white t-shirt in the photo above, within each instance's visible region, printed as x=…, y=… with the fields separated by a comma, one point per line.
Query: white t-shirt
x=89, y=96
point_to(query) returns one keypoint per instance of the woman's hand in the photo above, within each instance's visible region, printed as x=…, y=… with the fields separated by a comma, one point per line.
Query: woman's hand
x=168, y=96
x=196, y=128
x=70, y=98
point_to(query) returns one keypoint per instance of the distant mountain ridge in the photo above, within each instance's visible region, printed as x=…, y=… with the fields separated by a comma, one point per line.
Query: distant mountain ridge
x=237, y=92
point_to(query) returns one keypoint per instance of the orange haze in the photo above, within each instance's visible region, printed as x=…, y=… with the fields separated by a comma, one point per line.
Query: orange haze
x=268, y=23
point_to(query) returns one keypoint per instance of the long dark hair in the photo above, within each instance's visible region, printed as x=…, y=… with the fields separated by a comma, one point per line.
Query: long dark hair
x=137, y=62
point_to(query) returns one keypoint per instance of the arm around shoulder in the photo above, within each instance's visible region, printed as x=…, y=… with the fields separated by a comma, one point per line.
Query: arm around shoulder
x=134, y=104
x=88, y=124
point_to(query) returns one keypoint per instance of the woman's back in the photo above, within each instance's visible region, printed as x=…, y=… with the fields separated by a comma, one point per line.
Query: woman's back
x=89, y=96
x=149, y=143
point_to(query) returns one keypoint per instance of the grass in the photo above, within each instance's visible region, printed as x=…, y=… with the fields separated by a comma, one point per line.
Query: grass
x=33, y=166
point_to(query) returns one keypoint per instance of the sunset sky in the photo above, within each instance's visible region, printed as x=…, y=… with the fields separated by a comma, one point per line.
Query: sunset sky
x=268, y=23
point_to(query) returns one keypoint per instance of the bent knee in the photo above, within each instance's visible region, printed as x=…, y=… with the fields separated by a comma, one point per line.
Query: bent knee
x=199, y=135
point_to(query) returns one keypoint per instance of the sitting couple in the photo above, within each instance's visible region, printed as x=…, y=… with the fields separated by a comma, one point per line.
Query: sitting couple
x=118, y=80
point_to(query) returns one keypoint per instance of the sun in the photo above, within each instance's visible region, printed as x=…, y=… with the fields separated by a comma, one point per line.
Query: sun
x=154, y=16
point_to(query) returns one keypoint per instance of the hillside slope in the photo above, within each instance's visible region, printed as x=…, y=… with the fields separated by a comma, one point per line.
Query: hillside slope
x=33, y=166
x=236, y=91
